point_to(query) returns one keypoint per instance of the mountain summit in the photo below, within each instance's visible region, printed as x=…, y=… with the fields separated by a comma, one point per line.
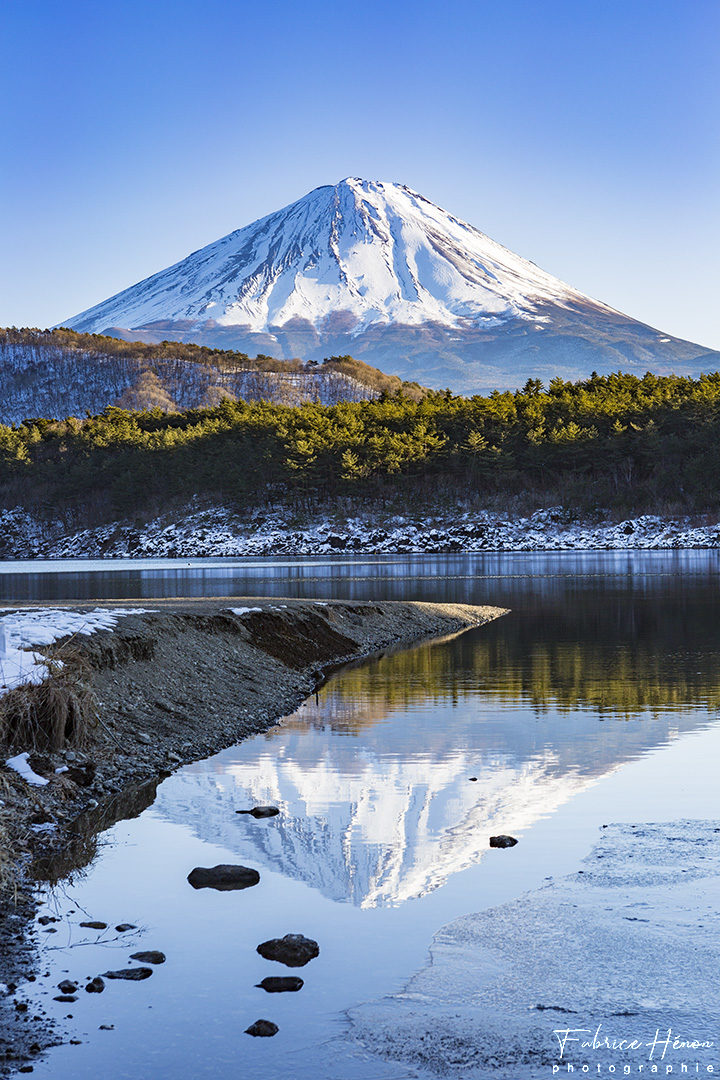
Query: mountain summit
x=377, y=270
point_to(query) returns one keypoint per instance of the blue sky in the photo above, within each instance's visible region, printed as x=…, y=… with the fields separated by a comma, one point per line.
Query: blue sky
x=583, y=135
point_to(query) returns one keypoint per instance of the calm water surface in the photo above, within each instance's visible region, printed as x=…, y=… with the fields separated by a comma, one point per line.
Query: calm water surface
x=595, y=700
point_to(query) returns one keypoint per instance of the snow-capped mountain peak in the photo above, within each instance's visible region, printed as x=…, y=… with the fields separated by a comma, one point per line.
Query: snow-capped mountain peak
x=377, y=270
x=360, y=253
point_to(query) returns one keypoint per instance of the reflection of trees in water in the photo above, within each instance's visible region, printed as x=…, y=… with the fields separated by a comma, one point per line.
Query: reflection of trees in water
x=612, y=657
x=373, y=779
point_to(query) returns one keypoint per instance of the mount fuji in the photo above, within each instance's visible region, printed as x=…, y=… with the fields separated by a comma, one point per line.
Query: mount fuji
x=376, y=270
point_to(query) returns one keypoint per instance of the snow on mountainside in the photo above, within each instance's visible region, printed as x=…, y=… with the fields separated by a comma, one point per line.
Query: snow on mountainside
x=43, y=378
x=218, y=531
x=377, y=253
x=377, y=270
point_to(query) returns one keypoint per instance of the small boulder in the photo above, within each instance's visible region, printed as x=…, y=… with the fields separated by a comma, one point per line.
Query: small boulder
x=223, y=878
x=260, y=811
x=502, y=841
x=151, y=956
x=279, y=984
x=94, y=924
x=65, y=997
x=82, y=775
x=130, y=974
x=293, y=950
x=95, y=986
x=67, y=986
x=143, y=737
x=41, y=764
x=263, y=1028
x=123, y=927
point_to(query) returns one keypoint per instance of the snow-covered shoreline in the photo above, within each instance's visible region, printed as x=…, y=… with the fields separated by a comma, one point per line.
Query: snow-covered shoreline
x=220, y=532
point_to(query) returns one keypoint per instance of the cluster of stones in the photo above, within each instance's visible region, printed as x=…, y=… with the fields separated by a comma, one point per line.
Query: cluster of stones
x=293, y=950
x=69, y=988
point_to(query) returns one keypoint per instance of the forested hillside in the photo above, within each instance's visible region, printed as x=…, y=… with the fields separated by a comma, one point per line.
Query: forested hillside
x=60, y=373
x=612, y=441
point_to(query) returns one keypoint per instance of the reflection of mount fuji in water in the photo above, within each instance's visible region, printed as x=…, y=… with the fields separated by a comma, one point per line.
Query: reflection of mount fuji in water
x=377, y=804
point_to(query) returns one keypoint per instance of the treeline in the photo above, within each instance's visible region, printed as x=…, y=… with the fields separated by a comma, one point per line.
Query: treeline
x=615, y=440
x=225, y=361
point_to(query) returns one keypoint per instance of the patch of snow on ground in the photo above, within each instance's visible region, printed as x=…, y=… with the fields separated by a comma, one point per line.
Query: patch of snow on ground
x=22, y=767
x=21, y=630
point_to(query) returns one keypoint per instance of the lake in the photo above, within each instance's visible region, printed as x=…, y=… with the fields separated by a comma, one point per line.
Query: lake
x=595, y=700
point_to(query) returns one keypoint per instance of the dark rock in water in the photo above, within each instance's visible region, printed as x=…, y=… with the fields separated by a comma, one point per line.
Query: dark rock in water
x=45, y=919
x=502, y=841
x=65, y=997
x=152, y=956
x=224, y=878
x=293, y=950
x=95, y=986
x=279, y=984
x=131, y=974
x=95, y=925
x=260, y=811
x=123, y=927
x=106, y=1027
x=67, y=986
x=473, y=778
x=264, y=1028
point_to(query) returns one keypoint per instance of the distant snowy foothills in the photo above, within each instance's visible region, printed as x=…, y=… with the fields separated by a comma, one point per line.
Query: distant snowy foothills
x=219, y=531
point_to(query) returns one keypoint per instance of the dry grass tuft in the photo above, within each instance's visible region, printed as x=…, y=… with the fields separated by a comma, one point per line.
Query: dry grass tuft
x=8, y=873
x=60, y=711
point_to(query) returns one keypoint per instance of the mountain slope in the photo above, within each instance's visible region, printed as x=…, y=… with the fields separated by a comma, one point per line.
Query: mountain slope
x=377, y=270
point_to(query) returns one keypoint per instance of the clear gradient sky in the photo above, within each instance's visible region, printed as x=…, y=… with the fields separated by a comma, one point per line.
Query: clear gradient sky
x=581, y=134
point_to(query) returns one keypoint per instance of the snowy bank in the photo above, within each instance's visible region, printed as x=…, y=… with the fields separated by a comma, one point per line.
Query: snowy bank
x=21, y=631
x=219, y=531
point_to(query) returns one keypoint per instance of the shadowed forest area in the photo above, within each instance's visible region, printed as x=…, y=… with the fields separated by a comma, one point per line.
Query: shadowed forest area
x=617, y=441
